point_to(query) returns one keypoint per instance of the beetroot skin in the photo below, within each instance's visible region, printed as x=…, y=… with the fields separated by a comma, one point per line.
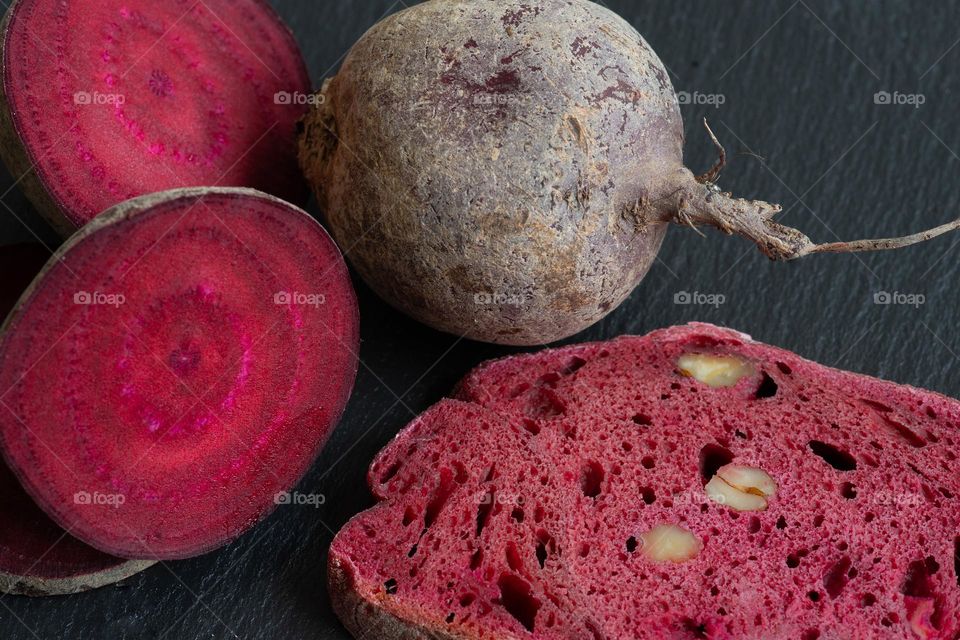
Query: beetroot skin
x=37, y=557
x=510, y=178
x=104, y=100
x=179, y=363
x=521, y=508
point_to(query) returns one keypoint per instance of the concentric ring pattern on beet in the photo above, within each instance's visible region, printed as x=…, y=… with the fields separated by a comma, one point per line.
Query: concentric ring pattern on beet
x=105, y=100
x=178, y=365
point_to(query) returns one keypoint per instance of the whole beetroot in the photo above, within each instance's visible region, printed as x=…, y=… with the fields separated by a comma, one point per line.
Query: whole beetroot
x=507, y=170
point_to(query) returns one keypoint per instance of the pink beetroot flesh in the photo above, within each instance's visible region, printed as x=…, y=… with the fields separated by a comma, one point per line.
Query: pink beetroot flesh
x=176, y=369
x=517, y=510
x=37, y=556
x=114, y=99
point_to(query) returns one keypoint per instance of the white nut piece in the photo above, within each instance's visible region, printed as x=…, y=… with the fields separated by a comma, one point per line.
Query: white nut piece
x=722, y=493
x=741, y=488
x=713, y=370
x=670, y=543
x=748, y=480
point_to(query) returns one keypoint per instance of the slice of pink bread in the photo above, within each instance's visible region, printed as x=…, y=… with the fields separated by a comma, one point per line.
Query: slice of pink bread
x=518, y=509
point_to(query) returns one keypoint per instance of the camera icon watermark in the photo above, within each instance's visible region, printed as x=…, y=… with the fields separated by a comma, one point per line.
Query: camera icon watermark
x=696, y=298
x=715, y=100
x=294, y=298
x=96, y=298
x=886, y=298
x=287, y=98
x=915, y=100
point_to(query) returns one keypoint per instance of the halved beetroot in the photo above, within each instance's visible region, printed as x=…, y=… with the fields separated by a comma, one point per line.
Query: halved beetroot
x=104, y=100
x=37, y=557
x=178, y=364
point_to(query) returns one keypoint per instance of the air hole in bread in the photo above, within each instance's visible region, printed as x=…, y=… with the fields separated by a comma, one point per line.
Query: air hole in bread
x=712, y=457
x=631, y=544
x=409, y=515
x=784, y=368
x=836, y=578
x=544, y=404
x=531, y=426
x=648, y=462
x=483, y=511
x=768, y=387
x=591, y=479
x=902, y=430
x=848, y=490
x=541, y=554
x=917, y=583
x=574, y=365
x=476, y=559
x=956, y=559
x=811, y=634
x=642, y=419
x=440, y=497
x=389, y=474
x=390, y=586
x=550, y=379
x=876, y=406
x=648, y=494
x=513, y=557
x=833, y=456
x=517, y=598
x=697, y=630
x=519, y=390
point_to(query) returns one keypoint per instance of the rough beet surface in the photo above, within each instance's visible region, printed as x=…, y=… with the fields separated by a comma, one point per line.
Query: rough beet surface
x=37, y=557
x=511, y=177
x=180, y=362
x=104, y=100
x=518, y=509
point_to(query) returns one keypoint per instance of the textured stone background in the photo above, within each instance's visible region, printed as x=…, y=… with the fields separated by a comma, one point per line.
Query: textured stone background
x=798, y=79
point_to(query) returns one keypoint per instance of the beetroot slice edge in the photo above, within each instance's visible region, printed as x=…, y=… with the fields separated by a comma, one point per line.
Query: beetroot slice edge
x=193, y=497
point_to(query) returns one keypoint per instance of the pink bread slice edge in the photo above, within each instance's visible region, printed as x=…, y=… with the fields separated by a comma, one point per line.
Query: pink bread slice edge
x=367, y=616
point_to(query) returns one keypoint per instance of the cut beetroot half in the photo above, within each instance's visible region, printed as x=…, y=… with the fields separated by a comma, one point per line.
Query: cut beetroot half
x=105, y=100
x=37, y=557
x=179, y=363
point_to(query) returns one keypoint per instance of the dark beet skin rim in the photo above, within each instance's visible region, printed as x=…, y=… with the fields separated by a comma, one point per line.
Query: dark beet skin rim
x=22, y=161
x=124, y=212
x=16, y=585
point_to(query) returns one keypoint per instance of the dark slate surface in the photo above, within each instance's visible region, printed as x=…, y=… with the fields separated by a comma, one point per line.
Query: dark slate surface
x=798, y=81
